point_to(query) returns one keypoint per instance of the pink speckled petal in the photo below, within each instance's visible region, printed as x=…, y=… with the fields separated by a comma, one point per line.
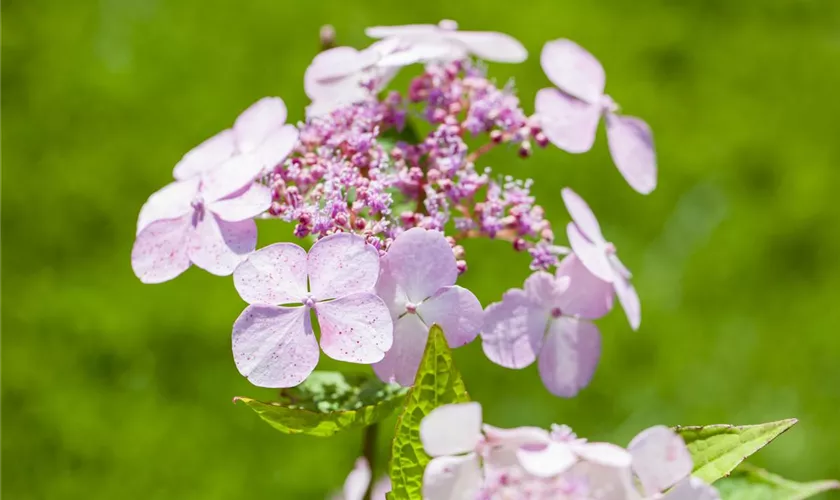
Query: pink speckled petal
x=274, y=346
x=582, y=215
x=342, y=263
x=593, y=256
x=629, y=300
x=402, y=360
x=206, y=155
x=170, y=202
x=451, y=429
x=247, y=203
x=421, y=262
x=491, y=45
x=631, y=146
x=258, y=121
x=569, y=356
x=660, y=458
x=355, y=328
x=587, y=296
x=573, y=69
x=230, y=177
x=160, y=250
x=219, y=246
x=457, y=311
x=512, y=334
x=569, y=123
x=452, y=478
x=275, y=274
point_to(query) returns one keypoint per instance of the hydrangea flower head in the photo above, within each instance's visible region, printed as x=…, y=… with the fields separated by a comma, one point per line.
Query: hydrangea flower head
x=273, y=344
x=569, y=114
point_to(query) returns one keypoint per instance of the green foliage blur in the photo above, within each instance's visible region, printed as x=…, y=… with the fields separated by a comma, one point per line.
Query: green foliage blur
x=114, y=389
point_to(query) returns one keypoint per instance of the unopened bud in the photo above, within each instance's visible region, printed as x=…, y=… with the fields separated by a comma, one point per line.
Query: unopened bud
x=525, y=149
x=327, y=37
x=459, y=252
x=462, y=266
x=520, y=244
x=496, y=136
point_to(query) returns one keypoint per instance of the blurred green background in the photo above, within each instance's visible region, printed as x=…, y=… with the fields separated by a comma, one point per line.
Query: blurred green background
x=113, y=389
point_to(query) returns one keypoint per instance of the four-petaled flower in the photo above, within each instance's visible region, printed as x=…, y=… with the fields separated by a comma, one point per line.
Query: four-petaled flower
x=274, y=345
x=417, y=282
x=547, y=321
x=599, y=256
x=569, y=114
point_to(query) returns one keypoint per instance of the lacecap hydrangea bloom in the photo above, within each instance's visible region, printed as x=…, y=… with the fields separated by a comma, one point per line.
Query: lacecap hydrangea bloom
x=385, y=210
x=472, y=460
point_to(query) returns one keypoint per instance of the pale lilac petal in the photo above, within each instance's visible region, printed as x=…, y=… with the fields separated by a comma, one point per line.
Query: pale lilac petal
x=277, y=146
x=512, y=334
x=452, y=478
x=355, y=328
x=451, y=429
x=274, y=346
x=629, y=300
x=390, y=291
x=569, y=356
x=341, y=263
x=160, y=250
x=245, y=204
x=606, y=454
x=340, y=62
x=258, y=121
x=380, y=489
x=348, y=88
x=604, y=483
x=416, y=52
x=230, y=177
x=592, y=255
x=545, y=290
x=402, y=360
x=631, y=146
x=692, y=488
x=492, y=46
x=457, y=311
x=170, y=202
x=218, y=246
x=356, y=484
x=421, y=261
x=587, y=296
x=569, y=123
x=275, y=274
x=503, y=443
x=660, y=458
x=206, y=155
x=573, y=70
x=407, y=30
x=547, y=459
x=582, y=216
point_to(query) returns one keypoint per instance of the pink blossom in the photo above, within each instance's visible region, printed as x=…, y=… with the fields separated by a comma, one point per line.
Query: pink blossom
x=357, y=483
x=599, y=256
x=569, y=114
x=274, y=345
x=417, y=282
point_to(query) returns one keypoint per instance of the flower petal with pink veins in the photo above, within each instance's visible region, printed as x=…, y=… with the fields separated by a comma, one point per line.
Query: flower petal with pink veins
x=355, y=328
x=219, y=246
x=255, y=123
x=512, y=334
x=457, y=311
x=660, y=459
x=275, y=274
x=451, y=429
x=587, y=296
x=452, y=478
x=629, y=300
x=170, y=202
x=247, y=203
x=160, y=250
x=569, y=123
x=569, y=356
x=206, y=155
x=631, y=147
x=401, y=362
x=421, y=261
x=573, y=70
x=274, y=346
x=230, y=177
x=341, y=263
x=582, y=215
x=592, y=255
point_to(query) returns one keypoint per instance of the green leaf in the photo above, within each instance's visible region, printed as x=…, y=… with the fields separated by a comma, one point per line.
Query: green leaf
x=330, y=402
x=751, y=483
x=437, y=383
x=718, y=449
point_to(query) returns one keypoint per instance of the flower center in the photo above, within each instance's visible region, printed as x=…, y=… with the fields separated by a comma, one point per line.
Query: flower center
x=609, y=248
x=556, y=312
x=608, y=105
x=308, y=301
x=411, y=307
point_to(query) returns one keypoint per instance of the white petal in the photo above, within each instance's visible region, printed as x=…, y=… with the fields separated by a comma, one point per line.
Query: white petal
x=341, y=263
x=629, y=300
x=569, y=356
x=569, y=123
x=245, y=204
x=546, y=461
x=258, y=121
x=582, y=215
x=452, y=478
x=402, y=360
x=631, y=146
x=457, y=311
x=492, y=46
x=275, y=274
x=356, y=328
x=692, y=488
x=218, y=246
x=660, y=458
x=573, y=69
x=513, y=330
x=451, y=429
x=206, y=155
x=593, y=255
x=170, y=202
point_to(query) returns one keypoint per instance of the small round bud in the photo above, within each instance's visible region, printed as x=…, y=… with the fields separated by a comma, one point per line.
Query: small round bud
x=359, y=224
x=542, y=140
x=520, y=244
x=496, y=136
x=462, y=266
x=341, y=219
x=459, y=252
x=525, y=149
x=327, y=37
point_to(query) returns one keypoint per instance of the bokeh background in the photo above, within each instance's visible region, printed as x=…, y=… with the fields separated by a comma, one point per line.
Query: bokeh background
x=113, y=389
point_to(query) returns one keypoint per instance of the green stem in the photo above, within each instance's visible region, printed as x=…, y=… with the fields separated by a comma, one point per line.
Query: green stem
x=369, y=452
